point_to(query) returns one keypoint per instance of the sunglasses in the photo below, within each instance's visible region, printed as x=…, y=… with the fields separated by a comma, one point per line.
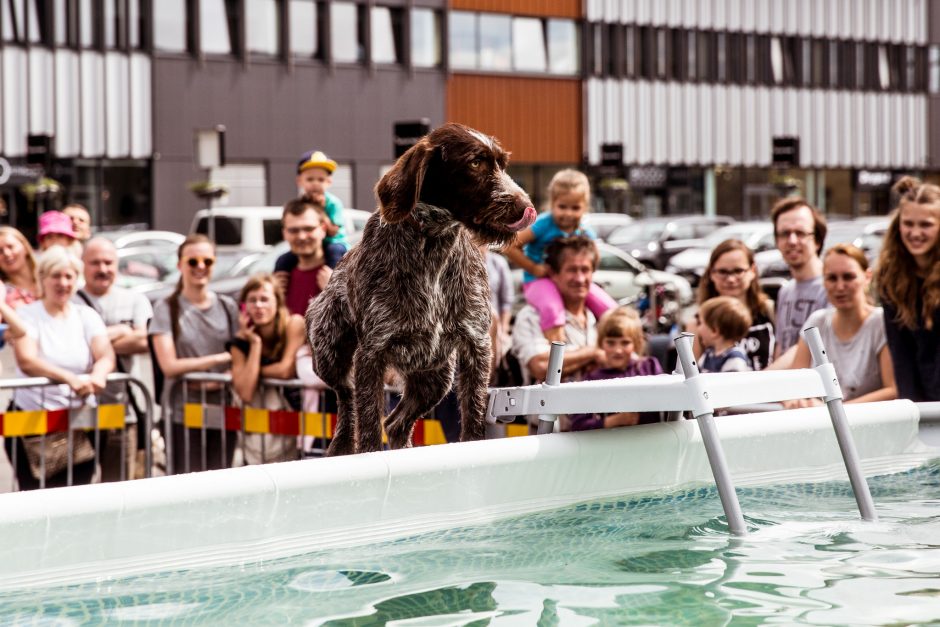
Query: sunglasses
x=194, y=262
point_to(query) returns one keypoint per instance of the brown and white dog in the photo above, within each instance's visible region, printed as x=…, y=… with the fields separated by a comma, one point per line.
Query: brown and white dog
x=413, y=294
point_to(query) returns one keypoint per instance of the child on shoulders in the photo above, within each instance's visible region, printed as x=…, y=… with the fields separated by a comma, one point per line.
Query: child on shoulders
x=620, y=335
x=723, y=322
x=570, y=195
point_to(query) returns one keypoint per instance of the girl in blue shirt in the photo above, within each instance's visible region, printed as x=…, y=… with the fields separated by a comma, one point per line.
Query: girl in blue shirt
x=570, y=194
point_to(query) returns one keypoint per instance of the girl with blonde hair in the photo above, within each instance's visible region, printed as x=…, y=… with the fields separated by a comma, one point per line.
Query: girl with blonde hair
x=908, y=280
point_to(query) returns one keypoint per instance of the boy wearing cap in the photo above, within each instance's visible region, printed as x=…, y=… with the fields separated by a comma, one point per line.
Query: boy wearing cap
x=314, y=178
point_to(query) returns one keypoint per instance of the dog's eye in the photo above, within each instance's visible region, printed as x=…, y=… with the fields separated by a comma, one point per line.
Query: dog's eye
x=476, y=163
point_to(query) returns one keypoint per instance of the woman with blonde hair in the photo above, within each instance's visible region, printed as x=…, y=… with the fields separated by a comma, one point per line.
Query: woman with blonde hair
x=17, y=268
x=265, y=347
x=852, y=331
x=731, y=272
x=66, y=342
x=908, y=280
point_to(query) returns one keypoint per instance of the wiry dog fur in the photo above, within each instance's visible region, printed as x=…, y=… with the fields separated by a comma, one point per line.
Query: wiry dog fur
x=413, y=294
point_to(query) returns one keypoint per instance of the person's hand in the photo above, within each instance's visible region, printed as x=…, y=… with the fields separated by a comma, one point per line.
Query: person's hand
x=323, y=276
x=540, y=270
x=330, y=228
x=81, y=385
x=600, y=358
x=798, y=403
x=246, y=328
x=98, y=382
x=282, y=279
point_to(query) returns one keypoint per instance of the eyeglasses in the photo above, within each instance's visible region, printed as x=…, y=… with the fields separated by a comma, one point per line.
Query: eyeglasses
x=698, y=319
x=194, y=262
x=726, y=273
x=297, y=230
x=800, y=235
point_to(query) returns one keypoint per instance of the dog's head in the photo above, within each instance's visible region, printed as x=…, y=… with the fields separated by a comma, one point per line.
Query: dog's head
x=463, y=171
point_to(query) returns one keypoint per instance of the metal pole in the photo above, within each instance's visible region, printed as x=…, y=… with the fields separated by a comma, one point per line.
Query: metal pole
x=704, y=415
x=840, y=424
x=556, y=357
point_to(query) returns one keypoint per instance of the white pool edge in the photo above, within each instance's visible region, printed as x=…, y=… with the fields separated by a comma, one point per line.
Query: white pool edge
x=263, y=512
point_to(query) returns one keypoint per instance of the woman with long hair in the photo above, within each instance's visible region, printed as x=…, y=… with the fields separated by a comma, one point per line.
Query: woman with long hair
x=908, y=280
x=17, y=268
x=265, y=347
x=190, y=329
x=68, y=343
x=852, y=331
x=731, y=272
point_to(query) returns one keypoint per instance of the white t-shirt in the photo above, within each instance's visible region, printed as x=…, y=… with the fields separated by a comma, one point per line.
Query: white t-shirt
x=64, y=342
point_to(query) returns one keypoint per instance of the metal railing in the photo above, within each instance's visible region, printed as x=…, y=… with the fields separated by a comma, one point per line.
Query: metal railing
x=22, y=426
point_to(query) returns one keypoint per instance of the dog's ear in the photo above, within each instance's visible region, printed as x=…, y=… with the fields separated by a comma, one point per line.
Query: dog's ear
x=399, y=189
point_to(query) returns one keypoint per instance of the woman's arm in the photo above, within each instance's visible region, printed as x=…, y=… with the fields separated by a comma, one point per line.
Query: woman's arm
x=246, y=369
x=888, y=390
x=515, y=254
x=173, y=366
x=26, y=350
x=16, y=328
x=286, y=368
x=103, y=355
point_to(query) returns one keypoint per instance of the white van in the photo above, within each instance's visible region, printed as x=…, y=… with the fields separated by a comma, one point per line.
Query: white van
x=257, y=228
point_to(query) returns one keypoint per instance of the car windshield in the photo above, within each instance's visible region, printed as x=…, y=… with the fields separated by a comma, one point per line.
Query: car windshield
x=742, y=232
x=639, y=231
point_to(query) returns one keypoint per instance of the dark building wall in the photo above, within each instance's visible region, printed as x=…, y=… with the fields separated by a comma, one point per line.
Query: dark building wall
x=272, y=115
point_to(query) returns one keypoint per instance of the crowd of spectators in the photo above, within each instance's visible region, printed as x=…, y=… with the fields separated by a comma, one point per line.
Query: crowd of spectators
x=68, y=321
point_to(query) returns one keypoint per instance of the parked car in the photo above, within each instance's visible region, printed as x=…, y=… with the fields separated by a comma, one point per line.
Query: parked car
x=621, y=276
x=142, y=239
x=691, y=263
x=603, y=224
x=258, y=228
x=653, y=241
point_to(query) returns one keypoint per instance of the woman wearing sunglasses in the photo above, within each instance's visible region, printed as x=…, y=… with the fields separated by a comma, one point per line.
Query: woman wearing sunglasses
x=190, y=329
x=852, y=331
x=731, y=272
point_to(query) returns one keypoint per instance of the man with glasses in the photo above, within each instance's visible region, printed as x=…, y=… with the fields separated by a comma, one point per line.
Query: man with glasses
x=800, y=231
x=302, y=272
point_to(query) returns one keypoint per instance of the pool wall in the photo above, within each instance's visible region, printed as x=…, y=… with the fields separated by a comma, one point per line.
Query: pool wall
x=245, y=514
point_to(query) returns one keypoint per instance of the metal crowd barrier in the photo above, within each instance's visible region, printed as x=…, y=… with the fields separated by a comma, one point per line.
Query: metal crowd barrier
x=229, y=418
x=16, y=424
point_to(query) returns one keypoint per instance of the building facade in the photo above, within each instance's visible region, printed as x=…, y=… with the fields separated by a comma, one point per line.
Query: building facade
x=672, y=106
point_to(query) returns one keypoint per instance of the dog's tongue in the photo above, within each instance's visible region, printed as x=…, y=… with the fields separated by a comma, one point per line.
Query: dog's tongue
x=527, y=218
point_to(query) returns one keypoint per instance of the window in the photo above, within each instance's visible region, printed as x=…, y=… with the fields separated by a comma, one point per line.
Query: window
x=663, y=51
x=214, y=34
x=262, y=27
x=806, y=62
x=169, y=25
x=563, y=47
x=86, y=23
x=463, y=39
x=304, y=41
x=884, y=69
x=597, y=49
x=782, y=64
x=705, y=56
x=751, y=58
x=386, y=35
x=134, y=25
x=38, y=22
x=272, y=232
x=346, y=43
x=833, y=64
x=528, y=45
x=860, y=78
x=819, y=63
x=425, y=38
x=61, y=23
x=630, y=60
x=933, y=71
x=111, y=26
x=495, y=42
x=14, y=20
x=721, y=47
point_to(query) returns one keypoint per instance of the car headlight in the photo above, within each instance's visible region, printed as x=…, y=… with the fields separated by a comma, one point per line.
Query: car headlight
x=652, y=246
x=635, y=252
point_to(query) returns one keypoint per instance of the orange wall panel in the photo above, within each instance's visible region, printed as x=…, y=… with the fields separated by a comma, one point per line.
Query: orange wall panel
x=549, y=8
x=537, y=119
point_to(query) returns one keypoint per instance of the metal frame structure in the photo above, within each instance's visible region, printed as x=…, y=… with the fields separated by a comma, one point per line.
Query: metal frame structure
x=699, y=393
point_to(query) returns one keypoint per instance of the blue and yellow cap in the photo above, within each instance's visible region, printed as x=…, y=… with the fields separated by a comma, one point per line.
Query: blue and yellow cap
x=315, y=159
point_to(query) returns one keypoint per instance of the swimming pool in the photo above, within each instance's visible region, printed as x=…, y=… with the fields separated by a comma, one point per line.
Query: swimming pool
x=574, y=525
x=657, y=560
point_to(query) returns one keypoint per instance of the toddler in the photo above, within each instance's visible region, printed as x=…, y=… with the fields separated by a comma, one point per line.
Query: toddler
x=722, y=322
x=569, y=194
x=620, y=335
x=314, y=177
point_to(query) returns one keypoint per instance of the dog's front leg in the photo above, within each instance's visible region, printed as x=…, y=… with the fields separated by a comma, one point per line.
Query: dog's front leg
x=423, y=391
x=472, y=380
x=368, y=399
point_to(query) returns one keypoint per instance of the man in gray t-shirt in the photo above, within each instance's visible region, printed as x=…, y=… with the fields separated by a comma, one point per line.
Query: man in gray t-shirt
x=799, y=231
x=795, y=302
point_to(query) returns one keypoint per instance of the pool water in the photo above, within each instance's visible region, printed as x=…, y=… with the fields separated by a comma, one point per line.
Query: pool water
x=665, y=560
